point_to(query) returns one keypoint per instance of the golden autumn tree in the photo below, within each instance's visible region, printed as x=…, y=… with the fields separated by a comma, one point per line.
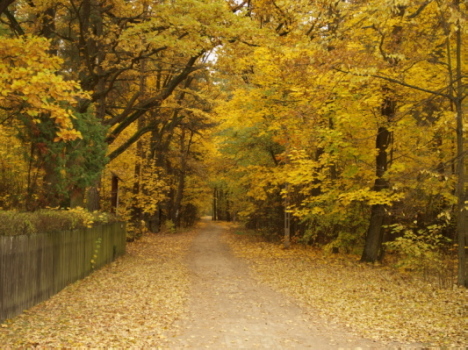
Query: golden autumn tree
x=423, y=46
x=355, y=100
x=107, y=48
x=31, y=86
x=35, y=97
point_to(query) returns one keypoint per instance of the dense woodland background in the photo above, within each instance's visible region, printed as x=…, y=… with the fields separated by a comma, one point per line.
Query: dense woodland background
x=327, y=122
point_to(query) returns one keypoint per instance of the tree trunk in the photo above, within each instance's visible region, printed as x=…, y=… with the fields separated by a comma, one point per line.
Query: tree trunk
x=136, y=208
x=114, y=193
x=462, y=231
x=372, y=249
x=178, y=200
x=373, y=246
x=179, y=194
x=50, y=196
x=94, y=196
x=215, y=204
x=77, y=197
x=287, y=227
x=461, y=220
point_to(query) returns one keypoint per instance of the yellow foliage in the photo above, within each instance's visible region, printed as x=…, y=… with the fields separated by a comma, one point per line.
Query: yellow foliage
x=30, y=85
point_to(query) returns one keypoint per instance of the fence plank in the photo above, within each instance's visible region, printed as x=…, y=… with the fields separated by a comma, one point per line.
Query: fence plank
x=33, y=268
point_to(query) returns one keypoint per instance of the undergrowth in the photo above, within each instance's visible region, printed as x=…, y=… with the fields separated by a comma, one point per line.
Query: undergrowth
x=14, y=223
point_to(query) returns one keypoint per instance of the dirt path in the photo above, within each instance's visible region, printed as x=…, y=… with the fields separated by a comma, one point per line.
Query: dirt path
x=140, y=302
x=228, y=309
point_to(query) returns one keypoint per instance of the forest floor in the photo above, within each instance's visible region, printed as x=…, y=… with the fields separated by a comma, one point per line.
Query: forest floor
x=212, y=288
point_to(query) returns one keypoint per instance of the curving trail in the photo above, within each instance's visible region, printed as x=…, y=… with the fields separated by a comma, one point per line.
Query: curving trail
x=229, y=310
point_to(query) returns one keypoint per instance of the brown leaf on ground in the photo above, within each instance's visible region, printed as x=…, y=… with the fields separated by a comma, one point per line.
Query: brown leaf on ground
x=128, y=303
x=374, y=302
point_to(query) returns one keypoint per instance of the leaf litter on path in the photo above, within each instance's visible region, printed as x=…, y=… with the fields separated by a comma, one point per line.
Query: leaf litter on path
x=373, y=302
x=133, y=302
x=128, y=303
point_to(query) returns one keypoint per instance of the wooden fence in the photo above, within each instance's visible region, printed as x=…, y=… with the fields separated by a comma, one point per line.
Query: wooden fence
x=33, y=268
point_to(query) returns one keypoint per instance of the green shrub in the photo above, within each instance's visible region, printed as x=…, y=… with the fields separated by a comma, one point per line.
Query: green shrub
x=346, y=242
x=170, y=227
x=424, y=251
x=49, y=220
